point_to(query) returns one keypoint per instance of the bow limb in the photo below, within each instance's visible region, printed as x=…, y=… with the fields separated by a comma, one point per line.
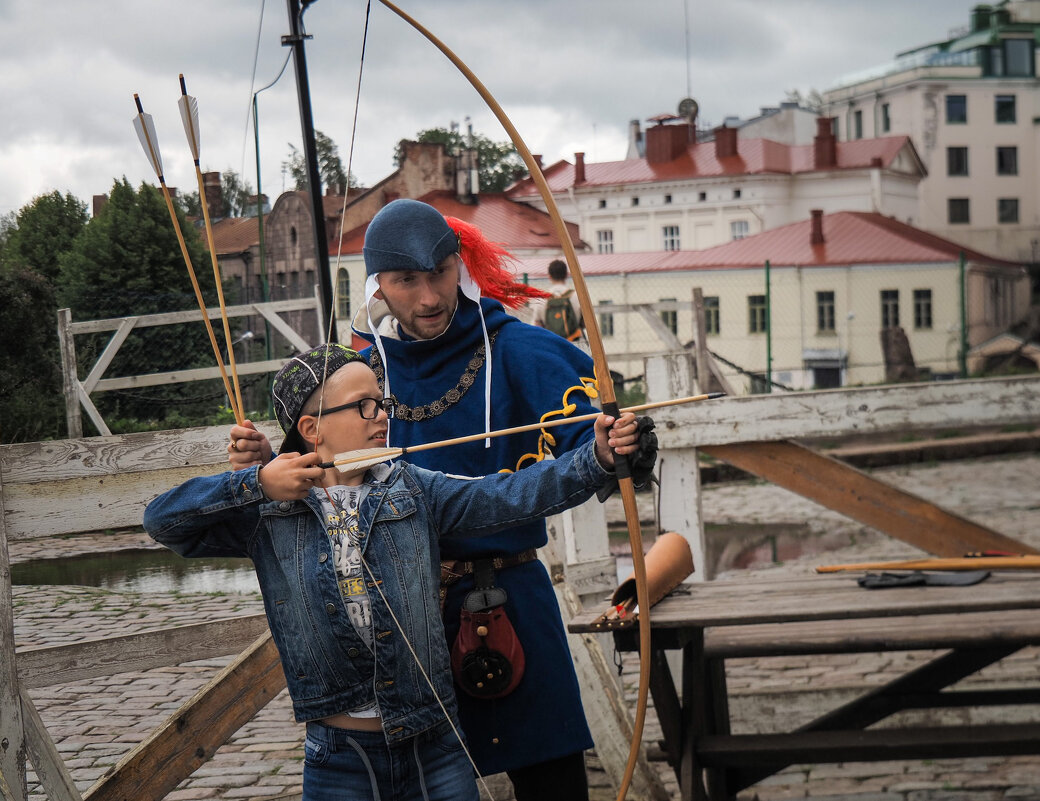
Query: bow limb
x=606, y=385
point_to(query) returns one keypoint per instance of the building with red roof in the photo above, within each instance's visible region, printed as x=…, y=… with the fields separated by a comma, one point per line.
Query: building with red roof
x=836, y=281
x=685, y=194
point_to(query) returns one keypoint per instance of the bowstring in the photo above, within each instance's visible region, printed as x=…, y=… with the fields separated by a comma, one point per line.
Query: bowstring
x=426, y=676
x=321, y=401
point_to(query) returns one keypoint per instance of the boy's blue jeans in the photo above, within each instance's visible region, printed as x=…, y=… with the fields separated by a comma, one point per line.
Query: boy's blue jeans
x=349, y=765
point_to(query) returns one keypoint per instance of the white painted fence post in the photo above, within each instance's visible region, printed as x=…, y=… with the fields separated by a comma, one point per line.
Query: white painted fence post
x=671, y=376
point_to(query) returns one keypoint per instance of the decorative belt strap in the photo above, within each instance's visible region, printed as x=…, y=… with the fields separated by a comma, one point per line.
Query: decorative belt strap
x=453, y=570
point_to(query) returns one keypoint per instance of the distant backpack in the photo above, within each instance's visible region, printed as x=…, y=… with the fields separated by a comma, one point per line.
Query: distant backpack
x=560, y=317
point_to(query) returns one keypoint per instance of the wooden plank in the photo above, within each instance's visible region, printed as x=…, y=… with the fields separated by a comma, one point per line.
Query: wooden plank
x=840, y=412
x=678, y=469
x=284, y=328
x=192, y=734
x=69, y=374
x=58, y=460
x=811, y=598
x=193, y=315
x=669, y=341
x=43, y=667
x=51, y=772
x=911, y=633
x=873, y=745
x=109, y=353
x=609, y=718
x=90, y=504
x=181, y=376
x=12, y=734
x=854, y=493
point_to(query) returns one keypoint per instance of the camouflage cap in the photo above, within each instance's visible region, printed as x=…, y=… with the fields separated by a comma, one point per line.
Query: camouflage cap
x=296, y=382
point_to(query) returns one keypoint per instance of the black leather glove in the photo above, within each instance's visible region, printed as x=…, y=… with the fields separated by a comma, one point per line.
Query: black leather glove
x=641, y=462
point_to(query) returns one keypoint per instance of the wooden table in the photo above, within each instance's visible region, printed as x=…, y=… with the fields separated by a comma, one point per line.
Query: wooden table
x=971, y=627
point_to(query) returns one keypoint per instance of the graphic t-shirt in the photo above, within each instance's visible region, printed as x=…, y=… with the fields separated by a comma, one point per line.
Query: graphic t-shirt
x=341, y=518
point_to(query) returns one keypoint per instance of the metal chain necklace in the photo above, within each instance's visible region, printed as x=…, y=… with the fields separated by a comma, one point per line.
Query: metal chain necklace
x=415, y=414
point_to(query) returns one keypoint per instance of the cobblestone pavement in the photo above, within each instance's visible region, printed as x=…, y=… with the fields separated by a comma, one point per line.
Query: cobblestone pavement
x=94, y=723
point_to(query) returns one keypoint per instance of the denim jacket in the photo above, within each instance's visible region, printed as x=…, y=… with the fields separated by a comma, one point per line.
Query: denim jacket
x=328, y=668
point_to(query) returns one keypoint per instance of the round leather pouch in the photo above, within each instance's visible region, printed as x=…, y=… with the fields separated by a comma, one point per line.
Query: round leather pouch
x=487, y=659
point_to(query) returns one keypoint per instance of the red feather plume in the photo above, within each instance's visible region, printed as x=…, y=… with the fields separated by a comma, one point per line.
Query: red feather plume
x=486, y=262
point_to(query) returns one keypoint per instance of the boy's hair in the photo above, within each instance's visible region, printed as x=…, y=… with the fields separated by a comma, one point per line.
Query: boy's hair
x=558, y=270
x=296, y=382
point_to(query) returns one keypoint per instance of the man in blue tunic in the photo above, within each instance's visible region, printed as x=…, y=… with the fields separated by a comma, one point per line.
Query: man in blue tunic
x=458, y=364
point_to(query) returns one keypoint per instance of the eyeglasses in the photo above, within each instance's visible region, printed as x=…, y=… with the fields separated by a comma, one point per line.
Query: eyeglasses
x=368, y=408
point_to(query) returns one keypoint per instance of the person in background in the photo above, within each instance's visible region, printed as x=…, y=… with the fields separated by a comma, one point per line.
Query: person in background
x=560, y=313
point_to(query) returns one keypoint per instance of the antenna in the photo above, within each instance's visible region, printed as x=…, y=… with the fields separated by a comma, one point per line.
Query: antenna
x=686, y=20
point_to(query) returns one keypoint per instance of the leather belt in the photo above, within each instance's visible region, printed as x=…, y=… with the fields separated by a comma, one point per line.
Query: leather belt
x=453, y=570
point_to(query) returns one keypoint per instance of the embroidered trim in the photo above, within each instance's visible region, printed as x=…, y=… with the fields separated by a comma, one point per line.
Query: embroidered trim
x=589, y=387
x=415, y=414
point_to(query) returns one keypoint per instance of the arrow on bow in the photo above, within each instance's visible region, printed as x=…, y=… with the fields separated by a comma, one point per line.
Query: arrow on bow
x=351, y=461
x=606, y=386
x=189, y=107
x=145, y=128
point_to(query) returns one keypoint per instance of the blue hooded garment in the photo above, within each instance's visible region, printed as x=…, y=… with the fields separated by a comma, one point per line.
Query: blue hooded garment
x=531, y=370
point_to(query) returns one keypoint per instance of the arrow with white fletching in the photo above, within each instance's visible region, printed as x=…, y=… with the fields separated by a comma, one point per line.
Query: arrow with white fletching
x=149, y=141
x=189, y=108
x=351, y=461
x=145, y=128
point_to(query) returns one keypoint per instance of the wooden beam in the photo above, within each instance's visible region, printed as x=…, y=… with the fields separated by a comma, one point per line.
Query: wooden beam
x=192, y=735
x=12, y=734
x=873, y=745
x=938, y=405
x=845, y=489
x=59, y=664
x=51, y=772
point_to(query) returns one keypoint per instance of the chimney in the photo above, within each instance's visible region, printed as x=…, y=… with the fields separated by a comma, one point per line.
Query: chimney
x=666, y=143
x=537, y=159
x=635, y=141
x=825, y=146
x=99, y=203
x=725, y=142
x=816, y=232
x=579, y=168
x=214, y=198
x=467, y=176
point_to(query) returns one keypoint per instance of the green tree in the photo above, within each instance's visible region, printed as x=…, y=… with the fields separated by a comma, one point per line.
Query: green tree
x=234, y=196
x=31, y=400
x=499, y=163
x=330, y=166
x=43, y=230
x=127, y=262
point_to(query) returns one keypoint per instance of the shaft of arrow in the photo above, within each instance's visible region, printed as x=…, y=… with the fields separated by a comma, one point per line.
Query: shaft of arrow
x=533, y=427
x=1026, y=562
x=236, y=400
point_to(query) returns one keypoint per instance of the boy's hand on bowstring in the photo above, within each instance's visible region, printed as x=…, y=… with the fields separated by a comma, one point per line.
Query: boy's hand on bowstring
x=290, y=476
x=248, y=447
x=621, y=435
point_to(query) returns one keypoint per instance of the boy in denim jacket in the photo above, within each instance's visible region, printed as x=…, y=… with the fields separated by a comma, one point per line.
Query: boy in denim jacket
x=348, y=565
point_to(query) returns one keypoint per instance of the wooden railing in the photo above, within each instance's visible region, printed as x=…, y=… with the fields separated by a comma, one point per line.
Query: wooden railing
x=43, y=487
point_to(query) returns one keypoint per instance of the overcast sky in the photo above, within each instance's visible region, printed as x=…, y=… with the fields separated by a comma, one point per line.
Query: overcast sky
x=570, y=74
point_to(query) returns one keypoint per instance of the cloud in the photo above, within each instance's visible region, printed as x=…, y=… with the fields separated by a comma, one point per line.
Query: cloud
x=571, y=75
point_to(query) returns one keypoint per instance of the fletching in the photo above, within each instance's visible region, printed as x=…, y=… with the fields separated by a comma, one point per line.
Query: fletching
x=356, y=460
x=189, y=107
x=149, y=141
